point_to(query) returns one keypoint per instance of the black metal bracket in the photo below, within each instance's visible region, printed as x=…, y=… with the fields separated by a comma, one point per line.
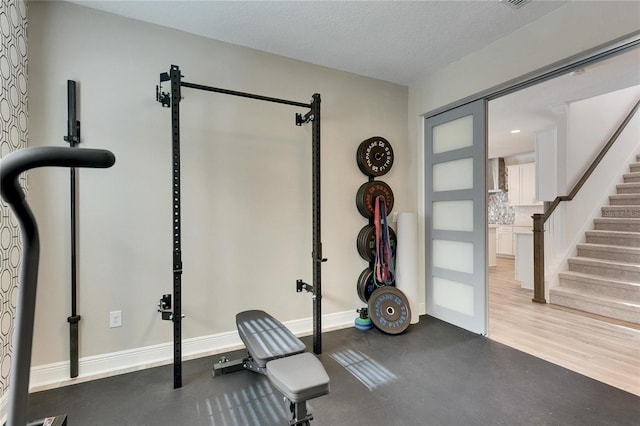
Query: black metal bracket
x=73, y=124
x=302, y=119
x=301, y=285
x=163, y=97
x=226, y=366
x=74, y=319
x=74, y=137
x=164, y=307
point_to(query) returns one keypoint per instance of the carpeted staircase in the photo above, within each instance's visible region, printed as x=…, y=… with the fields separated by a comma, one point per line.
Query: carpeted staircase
x=604, y=278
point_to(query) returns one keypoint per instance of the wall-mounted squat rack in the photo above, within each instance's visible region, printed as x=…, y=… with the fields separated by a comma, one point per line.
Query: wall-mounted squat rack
x=172, y=100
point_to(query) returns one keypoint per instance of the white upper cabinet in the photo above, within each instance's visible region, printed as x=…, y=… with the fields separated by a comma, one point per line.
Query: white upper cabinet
x=522, y=185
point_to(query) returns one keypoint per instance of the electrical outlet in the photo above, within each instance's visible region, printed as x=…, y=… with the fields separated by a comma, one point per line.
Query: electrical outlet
x=115, y=319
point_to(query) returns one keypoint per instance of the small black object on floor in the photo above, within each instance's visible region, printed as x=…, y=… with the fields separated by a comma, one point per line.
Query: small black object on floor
x=433, y=374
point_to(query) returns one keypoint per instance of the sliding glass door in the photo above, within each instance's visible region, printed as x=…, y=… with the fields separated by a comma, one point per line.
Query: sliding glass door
x=455, y=159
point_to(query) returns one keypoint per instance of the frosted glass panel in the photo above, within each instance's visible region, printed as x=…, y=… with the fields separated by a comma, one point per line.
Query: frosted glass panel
x=452, y=135
x=452, y=175
x=453, y=255
x=453, y=215
x=453, y=295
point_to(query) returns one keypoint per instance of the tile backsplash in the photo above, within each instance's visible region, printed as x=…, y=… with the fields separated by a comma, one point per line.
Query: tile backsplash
x=499, y=210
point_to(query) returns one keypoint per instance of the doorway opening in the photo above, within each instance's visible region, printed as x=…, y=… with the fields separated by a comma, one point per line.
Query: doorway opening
x=527, y=166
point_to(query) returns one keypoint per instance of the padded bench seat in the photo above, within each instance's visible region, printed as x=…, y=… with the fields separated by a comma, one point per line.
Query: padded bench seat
x=266, y=338
x=281, y=356
x=299, y=377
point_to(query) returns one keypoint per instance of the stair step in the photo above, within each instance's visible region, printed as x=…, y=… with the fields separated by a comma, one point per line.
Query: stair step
x=634, y=167
x=629, y=224
x=614, y=238
x=621, y=211
x=632, y=177
x=624, y=200
x=624, y=271
x=628, y=188
x=598, y=286
x=609, y=252
x=606, y=306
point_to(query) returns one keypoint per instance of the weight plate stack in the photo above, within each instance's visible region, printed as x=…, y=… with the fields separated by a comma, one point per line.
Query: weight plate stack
x=375, y=156
x=365, y=286
x=366, y=243
x=389, y=310
x=367, y=194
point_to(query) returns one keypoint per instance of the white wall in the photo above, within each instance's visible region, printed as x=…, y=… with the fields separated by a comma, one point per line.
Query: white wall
x=590, y=124
x=567, y=31
x=547, y=164
x=246, y=180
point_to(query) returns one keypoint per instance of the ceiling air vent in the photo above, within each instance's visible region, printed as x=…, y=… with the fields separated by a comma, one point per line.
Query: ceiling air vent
x=515, y=4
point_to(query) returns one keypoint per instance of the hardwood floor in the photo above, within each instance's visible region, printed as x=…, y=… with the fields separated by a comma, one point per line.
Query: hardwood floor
x=605, y=350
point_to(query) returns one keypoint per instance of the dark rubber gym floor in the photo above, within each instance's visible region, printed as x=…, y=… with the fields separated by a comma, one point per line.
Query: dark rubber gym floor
x=433, y=374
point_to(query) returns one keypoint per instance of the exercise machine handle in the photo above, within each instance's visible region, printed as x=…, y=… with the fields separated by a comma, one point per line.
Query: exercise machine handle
x=11, y=167
x=29, y=158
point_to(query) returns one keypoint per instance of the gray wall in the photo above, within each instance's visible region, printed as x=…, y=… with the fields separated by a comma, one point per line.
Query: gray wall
x=246, y=180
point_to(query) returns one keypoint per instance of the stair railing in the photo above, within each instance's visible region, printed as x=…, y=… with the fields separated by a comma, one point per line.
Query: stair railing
x=539, y=219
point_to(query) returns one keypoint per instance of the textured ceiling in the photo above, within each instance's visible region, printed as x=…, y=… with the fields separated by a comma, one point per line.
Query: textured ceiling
x=396, y=41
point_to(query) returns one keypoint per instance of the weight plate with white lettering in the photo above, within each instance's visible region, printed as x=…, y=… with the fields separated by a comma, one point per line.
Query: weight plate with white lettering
x=389, y=310
x=367, y=194
x=375, y=156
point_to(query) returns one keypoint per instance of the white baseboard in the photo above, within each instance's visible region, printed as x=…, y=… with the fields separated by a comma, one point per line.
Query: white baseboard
x=54, y=375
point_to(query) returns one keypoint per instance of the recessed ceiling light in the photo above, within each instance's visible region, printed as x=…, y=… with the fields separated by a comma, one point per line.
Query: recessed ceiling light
x=515, y=131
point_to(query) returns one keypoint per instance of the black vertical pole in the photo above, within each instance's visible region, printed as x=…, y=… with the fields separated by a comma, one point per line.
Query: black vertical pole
x=317, y=240
x=176, y=227
x=73, y=137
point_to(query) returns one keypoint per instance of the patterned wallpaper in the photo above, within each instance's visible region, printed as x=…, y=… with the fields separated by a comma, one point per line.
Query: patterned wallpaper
x=13, y=136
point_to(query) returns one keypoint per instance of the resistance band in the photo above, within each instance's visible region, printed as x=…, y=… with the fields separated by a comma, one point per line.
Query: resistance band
x=384, y=270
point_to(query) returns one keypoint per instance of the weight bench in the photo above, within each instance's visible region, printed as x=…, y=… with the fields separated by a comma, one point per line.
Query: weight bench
x=277, y=353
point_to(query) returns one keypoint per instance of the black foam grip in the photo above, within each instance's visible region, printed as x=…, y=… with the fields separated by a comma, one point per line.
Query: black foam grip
x=19, y=161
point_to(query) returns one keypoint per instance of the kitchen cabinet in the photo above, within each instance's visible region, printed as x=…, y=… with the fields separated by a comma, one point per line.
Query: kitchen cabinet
x=522, y=185
x=504, y=241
